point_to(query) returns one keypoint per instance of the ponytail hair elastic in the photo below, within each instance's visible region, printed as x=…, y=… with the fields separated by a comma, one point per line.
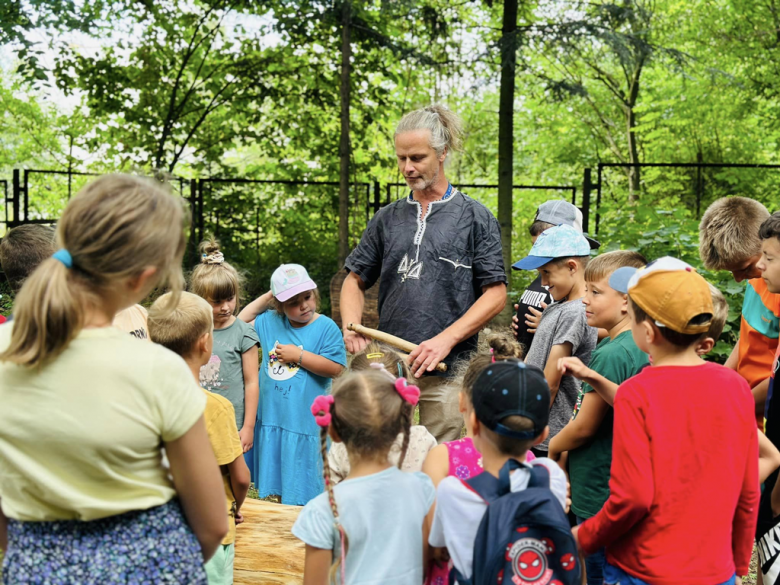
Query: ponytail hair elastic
x=492, y=357
x=410, y=394
x=213, y=258
x=64, y=257
x=320, y=408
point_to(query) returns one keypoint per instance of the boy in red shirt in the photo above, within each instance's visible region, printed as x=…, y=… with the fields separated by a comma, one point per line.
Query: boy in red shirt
x=684, y=434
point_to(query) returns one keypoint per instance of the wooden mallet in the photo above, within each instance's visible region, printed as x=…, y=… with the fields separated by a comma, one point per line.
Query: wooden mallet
x=391, y=340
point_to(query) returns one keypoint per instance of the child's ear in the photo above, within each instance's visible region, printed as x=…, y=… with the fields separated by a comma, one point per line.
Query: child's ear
x=203, y=343
x=476, y=426
x=461, y=403
x=139, y=281
x=572, y=264
x=624, y=305
x=705, y=346
x=651, y=331
x=543, y=436
x=334, y=436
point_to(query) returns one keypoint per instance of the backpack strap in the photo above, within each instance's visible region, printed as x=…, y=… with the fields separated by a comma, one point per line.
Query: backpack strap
x=490, y=488
x=540, y=477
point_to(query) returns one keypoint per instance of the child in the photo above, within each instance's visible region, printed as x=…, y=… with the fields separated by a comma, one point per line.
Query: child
x=728, y=240
x=133, y=320
x=588, y=436
x=232, y=369
x=460, y=458
x=420, y=440
x=684, y=434
x=560, y=254
x=302, y=352
x=87, y=409
x=505, y=398
x=22, y=249
x=768, y=512
x=187, y=331
x=369, y=528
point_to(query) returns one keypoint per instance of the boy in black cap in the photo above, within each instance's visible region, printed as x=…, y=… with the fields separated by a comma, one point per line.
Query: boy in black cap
x=511, y=408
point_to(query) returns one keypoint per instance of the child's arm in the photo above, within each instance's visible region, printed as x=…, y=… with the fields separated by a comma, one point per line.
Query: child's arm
x=250, y=363
x=580, y=430
x=253, y=309
x=199, y=486
x=4, y=530
x=312, y=362
x=316, y=568
x=551, y=372
x=239, y=480
x=768, y=458
x=603, y=387
x=437, y=467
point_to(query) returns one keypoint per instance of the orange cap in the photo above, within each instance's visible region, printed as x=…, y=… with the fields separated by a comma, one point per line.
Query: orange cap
x=672, y=293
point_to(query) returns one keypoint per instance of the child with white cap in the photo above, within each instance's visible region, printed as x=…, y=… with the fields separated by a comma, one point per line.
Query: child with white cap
x=560, y=255
x=684, y=434
x=302, y=352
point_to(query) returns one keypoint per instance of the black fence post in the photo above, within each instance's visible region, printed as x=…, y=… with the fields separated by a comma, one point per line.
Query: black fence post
x=15, y=189
x=377, y=196
x=598, y=197
x=586, y=200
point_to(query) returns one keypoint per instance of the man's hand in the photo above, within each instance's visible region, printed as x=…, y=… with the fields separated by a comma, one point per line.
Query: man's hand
x=429, y=353
x=247, y=436
x=288, y=353
x=532, y=319
x=573, y=366
x=354, y=341
x=239, y=518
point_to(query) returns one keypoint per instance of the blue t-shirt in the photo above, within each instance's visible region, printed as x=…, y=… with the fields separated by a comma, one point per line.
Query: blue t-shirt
x=382, y=515
x=287, y=391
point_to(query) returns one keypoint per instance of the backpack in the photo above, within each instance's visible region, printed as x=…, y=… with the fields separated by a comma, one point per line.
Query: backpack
x=524, y=537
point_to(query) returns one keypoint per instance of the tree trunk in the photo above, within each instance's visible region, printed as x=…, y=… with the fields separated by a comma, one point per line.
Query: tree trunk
x=344, y=145
x=506, y=127
x=634, y=175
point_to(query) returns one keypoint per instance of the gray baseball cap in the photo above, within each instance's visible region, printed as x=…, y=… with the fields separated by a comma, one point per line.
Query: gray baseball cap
x=560, y=212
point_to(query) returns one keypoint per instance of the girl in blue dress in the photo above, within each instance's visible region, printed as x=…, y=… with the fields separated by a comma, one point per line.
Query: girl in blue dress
x=302, y=352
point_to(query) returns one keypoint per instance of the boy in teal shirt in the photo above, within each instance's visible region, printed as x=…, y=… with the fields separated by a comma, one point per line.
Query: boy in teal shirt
x=588, y=436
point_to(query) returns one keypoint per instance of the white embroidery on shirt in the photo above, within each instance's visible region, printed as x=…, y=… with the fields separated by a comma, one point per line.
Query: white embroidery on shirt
x=456, y=264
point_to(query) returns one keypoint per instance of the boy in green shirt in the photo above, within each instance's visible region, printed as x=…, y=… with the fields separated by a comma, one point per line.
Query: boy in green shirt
x=588, y=436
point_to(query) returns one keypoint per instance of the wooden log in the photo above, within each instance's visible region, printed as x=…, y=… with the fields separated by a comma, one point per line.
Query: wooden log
x=391, y=340
x=266, y=550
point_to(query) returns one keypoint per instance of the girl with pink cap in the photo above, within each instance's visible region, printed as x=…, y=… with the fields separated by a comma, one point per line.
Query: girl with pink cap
x=302, y=351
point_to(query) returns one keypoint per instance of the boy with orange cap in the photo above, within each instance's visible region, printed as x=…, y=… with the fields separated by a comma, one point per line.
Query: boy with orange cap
x=684, y=434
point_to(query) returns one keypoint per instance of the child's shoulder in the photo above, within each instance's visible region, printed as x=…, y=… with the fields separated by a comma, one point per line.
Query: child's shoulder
x=217, y=404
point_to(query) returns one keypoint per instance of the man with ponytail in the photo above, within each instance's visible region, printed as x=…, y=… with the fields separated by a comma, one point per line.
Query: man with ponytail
x=437, y=256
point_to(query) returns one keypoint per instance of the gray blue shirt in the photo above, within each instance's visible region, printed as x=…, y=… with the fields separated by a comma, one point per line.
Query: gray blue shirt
x=382, y=515
x=430, y=269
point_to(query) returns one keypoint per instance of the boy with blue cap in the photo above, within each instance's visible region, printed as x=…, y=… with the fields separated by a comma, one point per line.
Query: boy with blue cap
x=560, y=255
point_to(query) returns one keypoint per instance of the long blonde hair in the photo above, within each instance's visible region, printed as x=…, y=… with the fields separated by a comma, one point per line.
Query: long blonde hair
x=115, y=228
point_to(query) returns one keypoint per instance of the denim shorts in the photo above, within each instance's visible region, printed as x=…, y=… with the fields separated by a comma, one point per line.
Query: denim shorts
x=616, y=576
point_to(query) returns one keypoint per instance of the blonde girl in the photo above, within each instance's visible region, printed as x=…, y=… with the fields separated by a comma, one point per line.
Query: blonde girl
x=460, y=458
x=372, y=526
x=420, y=440
x=302, y=352
x=87, y=409
x=232, y=369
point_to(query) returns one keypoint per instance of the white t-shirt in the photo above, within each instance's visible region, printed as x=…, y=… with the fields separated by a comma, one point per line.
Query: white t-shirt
x=459, y=511
x=382, y=515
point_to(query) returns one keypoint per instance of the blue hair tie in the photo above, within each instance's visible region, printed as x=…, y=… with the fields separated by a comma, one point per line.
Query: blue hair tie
x=63, y=256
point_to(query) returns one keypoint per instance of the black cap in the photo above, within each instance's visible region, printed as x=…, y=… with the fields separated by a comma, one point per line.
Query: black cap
x=511, y=388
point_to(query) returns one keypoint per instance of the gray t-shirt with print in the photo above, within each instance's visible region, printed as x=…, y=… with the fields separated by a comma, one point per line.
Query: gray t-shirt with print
x=562, y=322
x=224, y=374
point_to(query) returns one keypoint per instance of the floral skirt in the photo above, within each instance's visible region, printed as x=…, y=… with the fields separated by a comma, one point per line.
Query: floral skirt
x=139, y=547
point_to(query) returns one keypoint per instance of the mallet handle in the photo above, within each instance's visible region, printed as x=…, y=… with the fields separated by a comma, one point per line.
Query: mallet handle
x=392, y=340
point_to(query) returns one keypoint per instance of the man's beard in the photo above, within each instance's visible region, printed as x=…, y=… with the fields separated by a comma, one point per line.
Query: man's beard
x=421, y=184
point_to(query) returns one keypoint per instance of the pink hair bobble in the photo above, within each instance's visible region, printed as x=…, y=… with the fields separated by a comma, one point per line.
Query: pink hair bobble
x=409, y=393
x=320, y=408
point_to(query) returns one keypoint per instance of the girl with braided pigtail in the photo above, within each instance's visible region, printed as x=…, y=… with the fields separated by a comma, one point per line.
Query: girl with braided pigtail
x=382, y=509
x=417, y=439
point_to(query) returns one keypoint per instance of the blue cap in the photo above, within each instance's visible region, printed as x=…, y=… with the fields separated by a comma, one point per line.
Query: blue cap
x=620, y=278
x=561, y=241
